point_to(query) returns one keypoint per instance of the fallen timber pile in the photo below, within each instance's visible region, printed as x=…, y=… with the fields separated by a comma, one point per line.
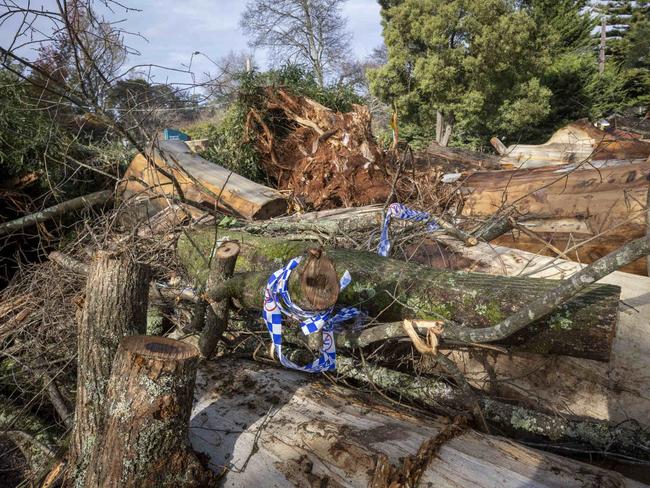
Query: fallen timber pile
x=573, y=143
x=393, y=290
x=579, y=214
x=461, y=344
x=311, y=433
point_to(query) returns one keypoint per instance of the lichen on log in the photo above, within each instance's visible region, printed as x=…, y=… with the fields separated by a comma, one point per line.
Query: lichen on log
x=149, y=398
x=392, y=290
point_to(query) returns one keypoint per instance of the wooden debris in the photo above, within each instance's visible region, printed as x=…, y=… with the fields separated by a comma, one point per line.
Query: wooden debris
x=617, y=390
x=586, y=213
x=201, y=181
x=300, y=432
x=328, y=159
x=216, y=315
x=91, y=200
x=393, y=290
x=115, y=306
x=574, y=143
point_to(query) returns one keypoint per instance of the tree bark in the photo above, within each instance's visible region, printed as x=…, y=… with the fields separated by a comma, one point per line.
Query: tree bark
x=115, y=306
x=204, y=181
x=149, y=398
x=320, y=434
x=97, y=198
x=216, y=315
x=584, y=434
x=552, y=299
x=393, y=290
x=647, y=225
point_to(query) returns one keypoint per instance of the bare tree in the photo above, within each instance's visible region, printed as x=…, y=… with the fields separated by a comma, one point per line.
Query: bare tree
x=308, y=31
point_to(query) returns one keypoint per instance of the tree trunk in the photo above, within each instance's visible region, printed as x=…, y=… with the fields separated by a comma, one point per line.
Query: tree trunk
x=115, y=306
x=216, y=315
x=149, y=398
x=617, y=390
x=204, y=181
x=320, y=434
x=589, y=212
x=393, y=290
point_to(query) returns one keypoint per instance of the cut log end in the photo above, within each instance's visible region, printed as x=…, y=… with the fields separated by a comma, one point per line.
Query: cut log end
x=228, y=250
x=319, y=283
x=153, y=347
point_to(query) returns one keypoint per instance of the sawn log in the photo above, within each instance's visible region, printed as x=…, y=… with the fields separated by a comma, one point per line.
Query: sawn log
x=264, y=426
x=392, y=290
x=202, y=181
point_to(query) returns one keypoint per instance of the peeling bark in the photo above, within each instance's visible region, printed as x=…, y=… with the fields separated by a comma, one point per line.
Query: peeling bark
x=625, y=440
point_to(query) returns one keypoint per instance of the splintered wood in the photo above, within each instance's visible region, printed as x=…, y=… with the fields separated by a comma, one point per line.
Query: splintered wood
x=328, y=159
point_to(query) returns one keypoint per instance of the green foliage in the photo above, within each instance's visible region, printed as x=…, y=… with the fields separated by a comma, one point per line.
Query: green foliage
x=300, y=80
x=36, y=139
x=27, y=134
x=467, y=59
x=516, y=68
x=229, y=146
x=229, y=143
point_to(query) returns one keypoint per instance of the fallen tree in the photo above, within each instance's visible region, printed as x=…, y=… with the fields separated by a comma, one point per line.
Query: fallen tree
x=324, y=434
x=579, y=214
x=388, y=290
x=200, y=181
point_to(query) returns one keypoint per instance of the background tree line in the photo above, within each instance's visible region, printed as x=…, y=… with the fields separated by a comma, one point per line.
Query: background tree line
x=513, y=68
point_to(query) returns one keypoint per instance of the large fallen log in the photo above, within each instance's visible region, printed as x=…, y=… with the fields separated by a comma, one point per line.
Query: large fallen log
x=393, y=290
x=584, y=214
x=454, y=160
x=263, y=426
x=91, y=200
x=576, y=142
x=618, y=390
x=201, y=181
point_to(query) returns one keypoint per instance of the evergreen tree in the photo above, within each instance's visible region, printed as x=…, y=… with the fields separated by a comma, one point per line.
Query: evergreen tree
x=623, y=19
x=566, y=27
x=626, y=81
x=479, y=62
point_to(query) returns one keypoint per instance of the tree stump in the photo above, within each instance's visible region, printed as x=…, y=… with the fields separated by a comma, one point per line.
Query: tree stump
x=115, y=306
x=149, y=398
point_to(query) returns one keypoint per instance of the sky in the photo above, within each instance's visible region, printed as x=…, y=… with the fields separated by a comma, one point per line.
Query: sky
x=174, y=29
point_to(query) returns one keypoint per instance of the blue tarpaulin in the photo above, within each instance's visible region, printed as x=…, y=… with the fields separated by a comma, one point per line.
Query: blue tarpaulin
x=175, y=135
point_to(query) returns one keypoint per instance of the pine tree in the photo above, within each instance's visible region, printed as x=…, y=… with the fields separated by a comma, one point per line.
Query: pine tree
x=624, y=19
x=478, y=62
